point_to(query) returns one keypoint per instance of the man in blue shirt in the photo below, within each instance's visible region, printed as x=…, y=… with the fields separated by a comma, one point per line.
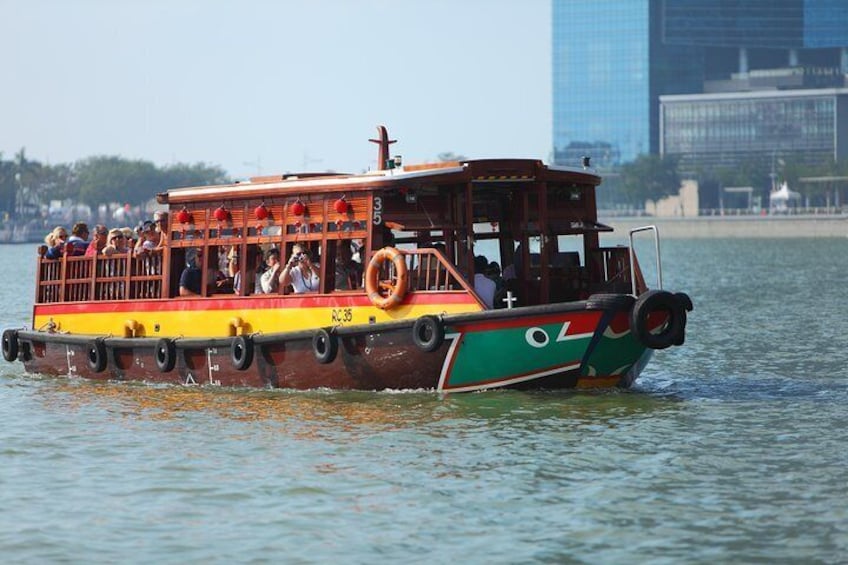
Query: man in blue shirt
x=191, y=277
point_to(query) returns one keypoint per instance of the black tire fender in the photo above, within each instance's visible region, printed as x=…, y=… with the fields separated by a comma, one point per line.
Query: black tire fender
x=428, y=333
x=614, y=302
x=96, y=353
x=10, y=345
x=166, y=355
x=325, y=346
x=653, y=301
x=241, y=352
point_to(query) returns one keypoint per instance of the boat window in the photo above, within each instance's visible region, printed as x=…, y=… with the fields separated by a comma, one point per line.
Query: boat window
x=347, y=272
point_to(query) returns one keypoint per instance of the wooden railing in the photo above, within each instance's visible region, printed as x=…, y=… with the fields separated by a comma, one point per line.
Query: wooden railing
x=429, y=269
x=122, y=276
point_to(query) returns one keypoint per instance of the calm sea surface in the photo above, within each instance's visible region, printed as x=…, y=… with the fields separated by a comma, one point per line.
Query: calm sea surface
x=733, y=448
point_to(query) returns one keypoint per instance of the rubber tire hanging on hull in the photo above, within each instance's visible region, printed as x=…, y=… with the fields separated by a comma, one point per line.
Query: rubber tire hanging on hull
x=241, y=353
x=97, y=355
x=656, y=301
x=325, y=346
x=166, y=355
x=10, y=345
x=428, y=333
x=608, y=301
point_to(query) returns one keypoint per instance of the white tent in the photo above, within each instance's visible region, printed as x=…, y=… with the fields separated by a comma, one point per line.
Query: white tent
x=779, y=200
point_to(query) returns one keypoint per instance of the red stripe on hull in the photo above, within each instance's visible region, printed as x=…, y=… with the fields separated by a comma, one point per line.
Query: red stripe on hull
x=580, y=322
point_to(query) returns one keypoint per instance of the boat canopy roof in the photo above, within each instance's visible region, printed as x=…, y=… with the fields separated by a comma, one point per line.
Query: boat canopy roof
x=477, y=172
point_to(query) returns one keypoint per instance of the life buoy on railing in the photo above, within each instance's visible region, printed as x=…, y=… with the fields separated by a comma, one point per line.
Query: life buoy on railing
x=10, y=345
x=672, y=331
x=386, y=294
x=97, y=355
x=241, y=352
x=166, y=355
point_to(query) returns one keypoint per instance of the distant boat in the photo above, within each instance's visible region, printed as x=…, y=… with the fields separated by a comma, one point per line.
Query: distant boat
x=419, y=312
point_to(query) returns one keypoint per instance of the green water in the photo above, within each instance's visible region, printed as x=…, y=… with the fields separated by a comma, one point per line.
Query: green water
x=730, y=449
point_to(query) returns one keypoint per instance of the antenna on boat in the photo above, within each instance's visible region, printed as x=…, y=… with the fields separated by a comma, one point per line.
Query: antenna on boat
x=586, y=160
x=383, y=149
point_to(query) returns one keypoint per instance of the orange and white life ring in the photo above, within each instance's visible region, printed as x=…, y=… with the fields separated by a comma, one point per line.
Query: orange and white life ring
x=386, y=294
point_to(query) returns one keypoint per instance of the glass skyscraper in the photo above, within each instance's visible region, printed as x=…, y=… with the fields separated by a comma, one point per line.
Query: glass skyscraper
x=613, y=59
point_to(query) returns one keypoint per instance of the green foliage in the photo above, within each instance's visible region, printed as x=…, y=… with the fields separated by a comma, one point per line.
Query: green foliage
x=650, y=177
x=113, y=179
x=181, y=174
x=25, y=184
x=450, y=156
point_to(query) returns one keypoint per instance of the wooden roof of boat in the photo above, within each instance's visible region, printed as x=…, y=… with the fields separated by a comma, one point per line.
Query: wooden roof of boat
x=408, y=176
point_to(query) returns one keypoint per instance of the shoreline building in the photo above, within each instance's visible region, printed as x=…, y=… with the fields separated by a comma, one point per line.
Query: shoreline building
x=715, y=82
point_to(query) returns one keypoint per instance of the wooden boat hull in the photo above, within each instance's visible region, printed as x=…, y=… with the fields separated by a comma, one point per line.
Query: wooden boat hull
x=573, y=345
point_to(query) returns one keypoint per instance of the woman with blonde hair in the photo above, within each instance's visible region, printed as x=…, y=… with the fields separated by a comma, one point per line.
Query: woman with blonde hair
x=55, y=242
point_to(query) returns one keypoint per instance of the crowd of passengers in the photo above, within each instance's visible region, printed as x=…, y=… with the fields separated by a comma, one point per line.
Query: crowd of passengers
x=146, y=238
x=298, y=274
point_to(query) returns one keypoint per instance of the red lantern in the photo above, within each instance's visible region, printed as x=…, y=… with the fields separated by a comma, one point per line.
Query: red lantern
x=298, y=208
x=342, y=206
x=184, y=216
x=261, y=212
x=221, y=214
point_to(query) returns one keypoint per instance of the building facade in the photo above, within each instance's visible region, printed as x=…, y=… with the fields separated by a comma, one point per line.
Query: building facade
x=614, y=60
x=723, y=130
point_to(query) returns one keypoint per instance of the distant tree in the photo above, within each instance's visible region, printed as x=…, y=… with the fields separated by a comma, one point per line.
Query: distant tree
x=28, y=178
x=181, y=174
x=450, y=156
x=8, y=186
x=650, y=177
x=59, y=182
x=115, y=179
x=817, y=193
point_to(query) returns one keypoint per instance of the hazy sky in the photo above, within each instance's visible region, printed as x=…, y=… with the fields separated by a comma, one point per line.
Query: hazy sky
x=274, y=85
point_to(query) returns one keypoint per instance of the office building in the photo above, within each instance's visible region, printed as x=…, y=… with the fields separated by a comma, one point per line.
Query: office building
x=724, y=70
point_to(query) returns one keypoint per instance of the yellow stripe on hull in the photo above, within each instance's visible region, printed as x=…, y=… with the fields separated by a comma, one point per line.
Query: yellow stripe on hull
x=229, y=322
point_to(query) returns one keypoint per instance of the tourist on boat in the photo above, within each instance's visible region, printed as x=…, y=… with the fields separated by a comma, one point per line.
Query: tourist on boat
x=483, y=285
x=55, y=242
x=233, y=269
x=98, y=241
x=148, y=238
x=78, y=242
x=129, y=237
x=117, y=243
x=299, y=272
x=348, y=271
x=493, y=271
x=160, y=223
x=191, y=277
x=269, y=281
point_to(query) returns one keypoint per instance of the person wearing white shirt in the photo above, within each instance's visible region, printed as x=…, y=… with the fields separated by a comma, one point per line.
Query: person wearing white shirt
x=300, y=273
x=269, y=279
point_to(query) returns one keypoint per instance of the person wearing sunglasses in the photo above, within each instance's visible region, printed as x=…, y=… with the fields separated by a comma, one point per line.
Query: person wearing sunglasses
x=55, y=242
x=116, y=243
